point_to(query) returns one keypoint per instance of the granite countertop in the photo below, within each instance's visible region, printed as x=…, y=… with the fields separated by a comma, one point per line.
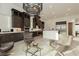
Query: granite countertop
x=35, y=30
x=11, y=32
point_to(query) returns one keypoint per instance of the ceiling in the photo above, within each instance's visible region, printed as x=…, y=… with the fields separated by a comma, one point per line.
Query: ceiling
x=56, y=10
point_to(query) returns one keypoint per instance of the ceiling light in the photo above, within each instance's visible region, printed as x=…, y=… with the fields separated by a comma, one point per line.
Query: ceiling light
x=66, y=14
x=69, y=9
x=50, y=7
x=54, y=16
x=53, y=13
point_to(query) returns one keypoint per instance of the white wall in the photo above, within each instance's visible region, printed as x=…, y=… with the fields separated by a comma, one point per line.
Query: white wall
x=47, y=17
x=5, y=14
x=50, y=22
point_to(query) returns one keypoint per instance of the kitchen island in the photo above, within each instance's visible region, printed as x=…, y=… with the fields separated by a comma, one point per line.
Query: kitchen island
x=11, y=36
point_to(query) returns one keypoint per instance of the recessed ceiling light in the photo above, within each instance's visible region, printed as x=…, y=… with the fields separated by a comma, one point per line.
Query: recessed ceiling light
x=53, y=13
x=50, y=7
x=69, y=9
x=66, y=14
x=54, y=16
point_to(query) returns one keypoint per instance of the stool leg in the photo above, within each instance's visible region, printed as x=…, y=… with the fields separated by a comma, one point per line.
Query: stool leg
x=27, y=49
x=40, y=52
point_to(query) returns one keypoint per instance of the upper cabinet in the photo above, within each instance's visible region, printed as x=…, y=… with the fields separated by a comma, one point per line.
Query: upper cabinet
x=20, y=19
x=26, y=18
x=17, y=19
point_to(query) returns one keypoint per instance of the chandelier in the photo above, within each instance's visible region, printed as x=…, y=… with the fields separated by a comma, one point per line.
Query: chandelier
x=32, y=8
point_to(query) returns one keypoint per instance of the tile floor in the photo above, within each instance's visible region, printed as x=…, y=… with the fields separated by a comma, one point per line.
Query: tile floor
x=20, y=48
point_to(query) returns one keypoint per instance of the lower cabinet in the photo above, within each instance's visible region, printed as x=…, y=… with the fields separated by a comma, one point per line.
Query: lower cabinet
x=11, y=37
x=17, y=37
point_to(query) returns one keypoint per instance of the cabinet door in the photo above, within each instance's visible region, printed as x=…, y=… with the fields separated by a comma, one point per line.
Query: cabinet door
x=17, y=36
x=6, y=38
x=26, y=22
x=17, y=22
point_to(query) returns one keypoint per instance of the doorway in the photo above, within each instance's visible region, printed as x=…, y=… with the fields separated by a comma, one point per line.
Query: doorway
x=70, y=28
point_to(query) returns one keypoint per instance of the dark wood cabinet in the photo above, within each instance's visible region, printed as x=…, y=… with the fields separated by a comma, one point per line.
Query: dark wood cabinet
x=17, y=22
x=17, y=19
x=43, y=25
x=26, y=23
x=26, y=18
x=22, y=20
x=8, y=37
